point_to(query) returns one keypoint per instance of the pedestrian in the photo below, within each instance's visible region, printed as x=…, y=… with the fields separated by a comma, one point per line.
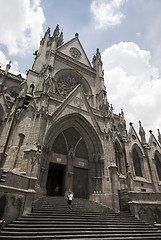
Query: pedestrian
x=70, y=198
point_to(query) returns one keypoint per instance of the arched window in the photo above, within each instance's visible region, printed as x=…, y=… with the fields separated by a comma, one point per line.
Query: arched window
x=137, y=163
x=158, y=165
x=119, y=158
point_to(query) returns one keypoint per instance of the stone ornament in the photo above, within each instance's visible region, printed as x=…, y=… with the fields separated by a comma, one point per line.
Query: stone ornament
x=75, y=53
x=79, y=102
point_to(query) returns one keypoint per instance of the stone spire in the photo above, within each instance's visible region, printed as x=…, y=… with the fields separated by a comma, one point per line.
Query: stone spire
x=60, y=40
x=122, y=118
x=47, y=34
x=131, y=129
x=159, y=136
x=111, y=111
x=39, y=59
x=142, y=133
x=99, y=80
x=150, y=138
x=44, y=40
x=97, y=63
x=56, y=33
x=54, y=41
x=46, y=54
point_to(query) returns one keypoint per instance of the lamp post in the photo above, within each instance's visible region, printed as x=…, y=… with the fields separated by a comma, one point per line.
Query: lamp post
x=24, y=105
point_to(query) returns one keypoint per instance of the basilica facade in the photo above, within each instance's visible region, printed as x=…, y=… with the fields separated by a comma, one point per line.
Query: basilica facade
x=58, y=132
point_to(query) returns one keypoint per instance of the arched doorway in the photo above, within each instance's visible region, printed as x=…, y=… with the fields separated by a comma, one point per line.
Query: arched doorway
x=73, y=156
x=68, y=168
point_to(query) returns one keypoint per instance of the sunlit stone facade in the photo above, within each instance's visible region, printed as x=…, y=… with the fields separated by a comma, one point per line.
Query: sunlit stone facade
x=68, y=137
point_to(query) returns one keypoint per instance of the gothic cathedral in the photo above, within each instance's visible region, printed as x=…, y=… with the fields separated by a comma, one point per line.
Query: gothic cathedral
x=58, y=132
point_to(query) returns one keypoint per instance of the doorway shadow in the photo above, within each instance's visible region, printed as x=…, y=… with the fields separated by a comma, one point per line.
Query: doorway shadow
x=55, y=180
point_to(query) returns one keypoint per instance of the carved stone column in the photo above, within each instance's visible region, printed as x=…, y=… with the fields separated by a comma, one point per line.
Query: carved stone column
x=69, y=170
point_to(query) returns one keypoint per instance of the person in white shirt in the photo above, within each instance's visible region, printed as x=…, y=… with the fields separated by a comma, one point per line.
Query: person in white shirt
x=70, y=198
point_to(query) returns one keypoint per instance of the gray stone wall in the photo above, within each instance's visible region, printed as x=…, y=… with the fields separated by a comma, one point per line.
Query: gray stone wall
x=16, y=195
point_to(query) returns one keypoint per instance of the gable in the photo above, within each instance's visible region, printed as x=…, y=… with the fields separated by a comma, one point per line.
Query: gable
x=76, y=100
x=74, y=49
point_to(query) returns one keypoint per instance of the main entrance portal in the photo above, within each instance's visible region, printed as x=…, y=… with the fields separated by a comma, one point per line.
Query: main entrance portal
x=70, y=151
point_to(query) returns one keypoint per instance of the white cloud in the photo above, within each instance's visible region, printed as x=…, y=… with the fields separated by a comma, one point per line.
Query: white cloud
x=4, y=61
x=14, y=65
x=107, y=13
x=21, y=25
x=133, y=84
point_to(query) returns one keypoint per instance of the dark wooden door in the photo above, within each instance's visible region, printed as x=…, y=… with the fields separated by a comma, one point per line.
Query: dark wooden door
x=80, y=182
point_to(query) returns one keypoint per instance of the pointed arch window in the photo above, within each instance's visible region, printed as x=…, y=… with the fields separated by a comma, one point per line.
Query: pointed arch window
x=158, y=165
x=137, y=163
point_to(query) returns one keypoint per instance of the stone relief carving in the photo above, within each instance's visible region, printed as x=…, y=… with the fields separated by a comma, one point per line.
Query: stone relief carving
x=78, y=102
x=48, y=84
x=35, y=162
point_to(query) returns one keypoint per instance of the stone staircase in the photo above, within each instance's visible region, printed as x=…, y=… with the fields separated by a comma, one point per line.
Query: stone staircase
x=52, y=219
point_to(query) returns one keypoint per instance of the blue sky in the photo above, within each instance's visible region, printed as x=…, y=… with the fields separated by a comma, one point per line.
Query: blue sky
x=127, y=32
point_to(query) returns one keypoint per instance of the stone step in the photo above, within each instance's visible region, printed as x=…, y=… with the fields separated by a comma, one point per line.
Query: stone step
x=70, y=222
x=73, y=212
x=81, y=223
x=52, y=219
x=83, y=234
x=79, y=237
x=101, y=229
x=101, y=217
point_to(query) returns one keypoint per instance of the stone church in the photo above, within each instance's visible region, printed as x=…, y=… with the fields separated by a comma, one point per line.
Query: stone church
x=58, y=132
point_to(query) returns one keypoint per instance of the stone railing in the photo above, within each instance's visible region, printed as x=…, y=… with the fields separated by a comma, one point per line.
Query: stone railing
x=16, y=195
x=146, y=206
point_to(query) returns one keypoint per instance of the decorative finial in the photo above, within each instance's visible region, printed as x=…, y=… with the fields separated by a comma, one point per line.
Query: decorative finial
x=159, y=136
x=111, y=110
x=76, y=35
x=47, y=32
x=94, y=61
x=56, y=32
x=60, y=40
x=142, y=133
